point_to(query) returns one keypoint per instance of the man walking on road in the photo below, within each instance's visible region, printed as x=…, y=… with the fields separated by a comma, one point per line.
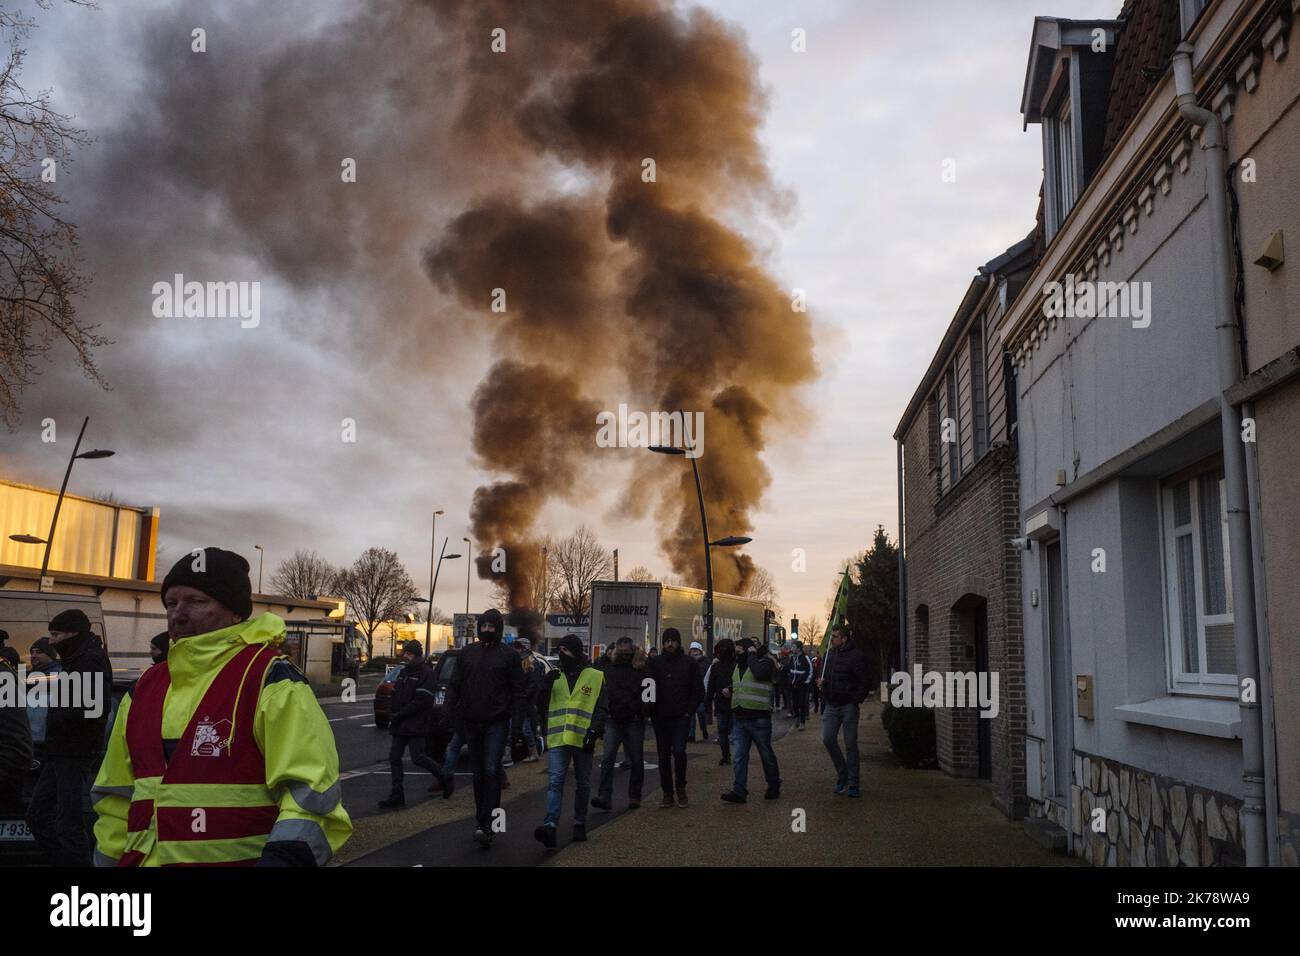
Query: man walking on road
x=751, y=708
x=800, y=679
x=412, y=703
x=487, y=695
x=574, y=717
x=221, y=754
x=717, y=690
x=74, y=744
x=678, y=688
x=626, y=723
x=844, y=688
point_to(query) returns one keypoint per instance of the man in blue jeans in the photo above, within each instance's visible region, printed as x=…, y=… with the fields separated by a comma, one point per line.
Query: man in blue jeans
x=486, y=693
x=844, y=688
x=750, y=694
x=573, y=716
x=625, y=678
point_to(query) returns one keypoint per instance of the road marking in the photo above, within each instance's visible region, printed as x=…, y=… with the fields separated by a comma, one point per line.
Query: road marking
x=356, y=717
x=367, y=725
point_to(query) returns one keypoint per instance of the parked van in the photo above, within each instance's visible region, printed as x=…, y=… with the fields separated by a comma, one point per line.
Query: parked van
x=26, y=615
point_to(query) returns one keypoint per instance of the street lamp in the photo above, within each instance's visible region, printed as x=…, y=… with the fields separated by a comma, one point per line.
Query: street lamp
x=428, y=620
x=93, y=453
x=261, y=553
x=708, y=557
x=467, y=565
x=433, y=544
x=26, y=539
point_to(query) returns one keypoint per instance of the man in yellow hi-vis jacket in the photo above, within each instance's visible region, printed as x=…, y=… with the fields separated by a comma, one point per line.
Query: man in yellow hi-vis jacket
x=221, y=755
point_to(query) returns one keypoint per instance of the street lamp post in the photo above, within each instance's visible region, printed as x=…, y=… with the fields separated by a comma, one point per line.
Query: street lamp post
x=93, y=453
x=467, y=566
x=428, y=620
x=433, y=543
x=261, y=553
x=708, y=556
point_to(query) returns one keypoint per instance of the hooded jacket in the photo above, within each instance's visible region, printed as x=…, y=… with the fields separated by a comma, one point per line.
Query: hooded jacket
x=412, y=702
x=624, y=689
x=719, y=679
x=15, y=739
x=679, y=685
x=289, y=727
x=70, y=731
x=489, y=682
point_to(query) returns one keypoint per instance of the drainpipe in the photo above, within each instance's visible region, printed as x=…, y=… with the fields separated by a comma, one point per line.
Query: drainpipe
x=1214, y=144
x=1265, y=650
x=902, y=570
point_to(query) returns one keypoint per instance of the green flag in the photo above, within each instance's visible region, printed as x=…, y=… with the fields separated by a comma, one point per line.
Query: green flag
x=838, y=612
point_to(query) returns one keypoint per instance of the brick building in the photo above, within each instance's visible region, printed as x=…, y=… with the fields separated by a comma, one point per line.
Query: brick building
x=960, y=508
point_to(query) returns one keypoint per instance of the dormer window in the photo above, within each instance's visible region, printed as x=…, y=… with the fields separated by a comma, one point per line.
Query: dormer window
x=1191, y=11
x=1063, y=153
x=1066, y=89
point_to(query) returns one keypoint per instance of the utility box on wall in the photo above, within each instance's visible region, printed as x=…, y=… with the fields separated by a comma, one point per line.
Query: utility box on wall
x=1083, y=695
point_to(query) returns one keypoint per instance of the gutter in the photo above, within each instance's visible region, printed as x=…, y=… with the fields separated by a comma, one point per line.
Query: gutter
x=902, y=569
x=1228, y=362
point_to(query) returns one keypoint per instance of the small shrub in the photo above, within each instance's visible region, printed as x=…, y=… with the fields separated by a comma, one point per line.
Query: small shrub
x=911, y=735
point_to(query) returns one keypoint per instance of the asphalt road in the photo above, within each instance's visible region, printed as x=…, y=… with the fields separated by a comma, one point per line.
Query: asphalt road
x=363, y=762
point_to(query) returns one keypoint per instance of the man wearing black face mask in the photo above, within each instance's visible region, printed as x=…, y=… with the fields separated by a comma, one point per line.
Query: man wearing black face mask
x=624, y=685
x=486, y=693
x=573, y=716
x=678, y=687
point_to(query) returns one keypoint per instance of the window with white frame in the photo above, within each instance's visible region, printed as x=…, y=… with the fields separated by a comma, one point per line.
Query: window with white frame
x=1198, y=583
x=1065, y=180
x=1191, y=10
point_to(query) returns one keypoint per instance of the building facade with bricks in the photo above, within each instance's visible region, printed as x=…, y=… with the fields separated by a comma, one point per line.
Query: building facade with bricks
x=960, y=513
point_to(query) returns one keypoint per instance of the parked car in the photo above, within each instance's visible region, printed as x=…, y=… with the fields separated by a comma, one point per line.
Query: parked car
x=384, y=695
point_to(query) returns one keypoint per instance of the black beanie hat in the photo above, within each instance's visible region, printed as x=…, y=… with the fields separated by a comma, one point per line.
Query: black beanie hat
x=224, y=579
x=73, y=619
x=413, y=647
x=672, y=634
x=162, y=641
x=491, y=614
x=574, y=643
x=43, y=645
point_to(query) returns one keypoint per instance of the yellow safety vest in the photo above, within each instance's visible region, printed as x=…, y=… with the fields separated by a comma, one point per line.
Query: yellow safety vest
x=750, y=693
x=568, y=717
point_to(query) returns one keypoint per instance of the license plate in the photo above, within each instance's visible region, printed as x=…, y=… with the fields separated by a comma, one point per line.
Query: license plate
x=440, y=698
x=15, y=831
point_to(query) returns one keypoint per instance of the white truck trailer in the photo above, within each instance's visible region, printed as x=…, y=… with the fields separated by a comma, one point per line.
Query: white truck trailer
x=644, y=610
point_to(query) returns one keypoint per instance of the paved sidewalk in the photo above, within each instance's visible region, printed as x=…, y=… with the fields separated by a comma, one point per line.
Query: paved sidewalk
x=903, y=818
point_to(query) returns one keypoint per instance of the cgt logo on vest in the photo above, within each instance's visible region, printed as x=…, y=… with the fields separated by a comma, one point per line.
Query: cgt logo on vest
x=76, y=909
x=210, y=739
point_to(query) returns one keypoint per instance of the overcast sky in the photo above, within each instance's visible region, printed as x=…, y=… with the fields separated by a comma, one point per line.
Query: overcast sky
x=235, y=433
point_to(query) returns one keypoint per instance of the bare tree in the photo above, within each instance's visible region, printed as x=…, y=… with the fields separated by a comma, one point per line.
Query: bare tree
x=762, y=587
x=40, y=267
x=640, y=574
x=303, y=575
x=377, y=589
x=439, y=616
x=579, y=559
x=811, y=631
